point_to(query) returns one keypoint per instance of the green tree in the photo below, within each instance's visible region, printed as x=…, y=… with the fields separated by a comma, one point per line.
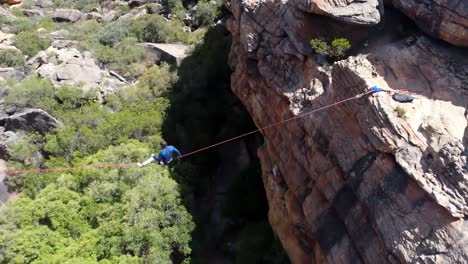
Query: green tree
x=339, y=48
x=336, y=51
x=320, y=46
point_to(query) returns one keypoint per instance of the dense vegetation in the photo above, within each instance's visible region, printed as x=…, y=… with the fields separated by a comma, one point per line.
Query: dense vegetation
x=336, y=50
x=127, y=215
x=117, y=215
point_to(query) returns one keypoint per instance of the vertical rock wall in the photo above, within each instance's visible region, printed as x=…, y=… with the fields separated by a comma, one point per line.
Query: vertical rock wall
x=356, y=183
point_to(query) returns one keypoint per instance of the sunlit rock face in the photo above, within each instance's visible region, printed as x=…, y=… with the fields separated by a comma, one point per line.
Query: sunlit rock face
x=371, y=180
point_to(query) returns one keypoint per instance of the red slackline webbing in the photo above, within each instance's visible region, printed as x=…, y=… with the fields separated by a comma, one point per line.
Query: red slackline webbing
x=195, y=151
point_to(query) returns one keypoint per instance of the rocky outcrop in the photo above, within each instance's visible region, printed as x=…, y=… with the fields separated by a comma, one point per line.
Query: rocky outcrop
x=6, y=38
x=60, y=34
x=43, y=3
x=28, y=120
x=6, y=44
x=170, y=53
x=93, y=16
x=65, y=65
x=6, y=13
x=33, y=13
x=445, y=19
x=364, y=12
x=356, y=183
x=66, y=15
x=15, y=124
x=10, y=2
x=4, y=192
x=10, y=73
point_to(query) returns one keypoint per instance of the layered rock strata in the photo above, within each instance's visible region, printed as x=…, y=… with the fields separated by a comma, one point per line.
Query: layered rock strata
x=371, y=180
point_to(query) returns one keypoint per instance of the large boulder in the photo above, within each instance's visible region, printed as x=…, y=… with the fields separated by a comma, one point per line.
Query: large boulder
x=170, y=53
x=10, y=73
x=63, y=64
x=33, y=13
x=60, y=34
x=444, y=19
x=66, y=15
x=15, y=124
x=109, y=16
x=365, y=12
x=93, y=16
x=134, y=13
x=28, y=120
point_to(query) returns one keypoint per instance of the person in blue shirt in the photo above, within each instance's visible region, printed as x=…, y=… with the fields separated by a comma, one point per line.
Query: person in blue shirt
x=165, y=156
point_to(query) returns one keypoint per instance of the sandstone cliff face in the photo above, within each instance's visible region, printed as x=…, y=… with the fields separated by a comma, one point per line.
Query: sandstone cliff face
x=444, y=19
x=356, y=183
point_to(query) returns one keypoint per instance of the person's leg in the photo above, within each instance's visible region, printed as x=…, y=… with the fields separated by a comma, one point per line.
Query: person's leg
x=148, y=161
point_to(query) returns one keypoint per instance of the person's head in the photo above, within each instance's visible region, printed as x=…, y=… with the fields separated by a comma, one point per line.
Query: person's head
x=163, y=144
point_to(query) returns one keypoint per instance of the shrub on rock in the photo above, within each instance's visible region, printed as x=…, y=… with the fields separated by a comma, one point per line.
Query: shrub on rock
x=30, y=43
x=11, y=58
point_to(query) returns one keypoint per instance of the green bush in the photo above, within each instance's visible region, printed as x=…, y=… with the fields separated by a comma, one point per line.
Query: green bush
x=30, y=43
x=114, y=32
x=154, y=28
x=17, y=12
x=105, y=54
x=128, y=52
x=87, y=5
x=11, y=58
x=206, y=12
x=22, y=25
x=82, y=5
x=127, y=57
x=157, y=79
x=32, y=92
x=46, y=22
x=28, y=150
x=71, y=98
x=339, y=47
x=27, y=4
x=320, y=46
x=401, y=112
x=336, y=51
x=86, y=27
x=179, y=11
x=170, y=5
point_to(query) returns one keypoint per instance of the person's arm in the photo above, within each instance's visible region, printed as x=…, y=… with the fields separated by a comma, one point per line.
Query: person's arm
x=176, y=151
